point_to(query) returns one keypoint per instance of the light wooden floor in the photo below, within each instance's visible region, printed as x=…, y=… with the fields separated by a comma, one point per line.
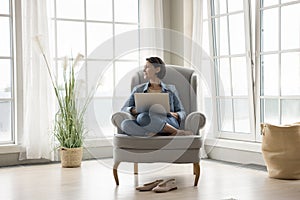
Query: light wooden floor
x=94, y=180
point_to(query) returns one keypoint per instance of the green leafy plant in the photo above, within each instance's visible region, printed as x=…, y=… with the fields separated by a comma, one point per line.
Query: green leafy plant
x=69, y=127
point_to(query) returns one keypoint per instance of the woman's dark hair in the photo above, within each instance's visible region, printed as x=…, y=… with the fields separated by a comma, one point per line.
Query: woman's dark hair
x=157, y=62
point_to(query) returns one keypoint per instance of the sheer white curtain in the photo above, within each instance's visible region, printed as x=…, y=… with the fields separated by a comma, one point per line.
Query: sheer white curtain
x=199, y=57
x=38, y=96
x=151, y=16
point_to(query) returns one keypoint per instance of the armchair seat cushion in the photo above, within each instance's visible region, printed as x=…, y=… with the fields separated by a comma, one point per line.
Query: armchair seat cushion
x=157, y=142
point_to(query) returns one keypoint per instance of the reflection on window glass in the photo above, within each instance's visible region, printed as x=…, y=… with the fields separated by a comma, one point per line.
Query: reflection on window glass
x=4, y=36
x=290, y=111
x=290, y=28
x=99, y=10
x=270, y=75
x=290, y=73
x=270, y=30
x=70, y=42
x=72, y=9
x=5, y=121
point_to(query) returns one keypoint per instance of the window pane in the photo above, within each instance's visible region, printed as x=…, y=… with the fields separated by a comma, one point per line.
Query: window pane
x=270, y=75
x=287, y=1
x=241, y=115
x=205, y=40
x=290, y=111
x=4, y=8
x=97, y=34
x=220, y=7
x=70, y=42
x=290, y=27
x=5, y=78
x=73, y=9
x=126, y=10
x=225, y=80
x=269, y=33
x=124, y=72
x=226, y=116
x=122, y=44
x=99, y=10
x=234, y=5
x=270, y=109
x=222, y=36
x=237, y=34
x=4, y=36
x=5, y=121
x=266, y=3
x=205, y=14
x=290, y=74
x=105, y=81
x=99, y=114
x=239, y=76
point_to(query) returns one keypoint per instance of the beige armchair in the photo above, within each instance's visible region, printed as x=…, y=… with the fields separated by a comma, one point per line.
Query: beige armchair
x=167, y=149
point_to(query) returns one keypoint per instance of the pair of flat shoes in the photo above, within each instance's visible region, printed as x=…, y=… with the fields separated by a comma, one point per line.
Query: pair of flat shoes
x=159, y=186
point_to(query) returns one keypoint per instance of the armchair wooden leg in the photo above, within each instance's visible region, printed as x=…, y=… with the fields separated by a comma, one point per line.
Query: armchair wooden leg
x=115, y=171
x=136, y=168
x=197, y=173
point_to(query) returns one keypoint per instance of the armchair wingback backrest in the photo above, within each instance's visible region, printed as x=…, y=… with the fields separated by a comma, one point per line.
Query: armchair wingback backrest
x=184, y=80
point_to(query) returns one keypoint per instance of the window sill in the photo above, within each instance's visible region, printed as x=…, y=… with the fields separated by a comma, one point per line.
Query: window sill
x=234, y=144
x=10, y=148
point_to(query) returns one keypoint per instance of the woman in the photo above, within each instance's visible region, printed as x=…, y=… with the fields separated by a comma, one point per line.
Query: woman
x=151, y=123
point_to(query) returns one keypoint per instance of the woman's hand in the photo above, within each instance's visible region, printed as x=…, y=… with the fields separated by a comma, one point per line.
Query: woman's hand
x=174, y=114
x=133, y=111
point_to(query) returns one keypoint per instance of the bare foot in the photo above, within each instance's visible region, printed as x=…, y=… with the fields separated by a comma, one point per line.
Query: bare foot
x=184, y=133
x=151, y=134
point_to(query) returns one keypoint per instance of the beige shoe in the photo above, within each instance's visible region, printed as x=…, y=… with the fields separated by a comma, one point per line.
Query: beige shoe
x=184, y=132
x=166, y=186
x=149, y=186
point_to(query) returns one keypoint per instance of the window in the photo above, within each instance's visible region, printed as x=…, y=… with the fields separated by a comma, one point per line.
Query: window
x=279, y=61
x=232, y=68
x=82, y=26
x=7, y=96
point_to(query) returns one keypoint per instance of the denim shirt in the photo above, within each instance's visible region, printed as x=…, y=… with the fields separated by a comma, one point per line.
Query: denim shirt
x=175, y=103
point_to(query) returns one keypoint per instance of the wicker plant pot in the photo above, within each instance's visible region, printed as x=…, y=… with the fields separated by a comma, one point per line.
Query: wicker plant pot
x=71, y=157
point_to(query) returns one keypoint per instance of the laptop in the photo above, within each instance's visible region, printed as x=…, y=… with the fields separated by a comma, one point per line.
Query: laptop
x=143, y=101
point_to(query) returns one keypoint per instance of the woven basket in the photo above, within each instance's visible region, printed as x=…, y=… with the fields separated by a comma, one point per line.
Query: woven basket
x=280, y=148
x=71, y=157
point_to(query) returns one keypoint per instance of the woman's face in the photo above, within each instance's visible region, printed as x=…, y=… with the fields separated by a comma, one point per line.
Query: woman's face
x=150, y=71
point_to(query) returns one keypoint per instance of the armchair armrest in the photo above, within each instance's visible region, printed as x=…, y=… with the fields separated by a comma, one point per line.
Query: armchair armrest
x=118, y=117
x=194, y=122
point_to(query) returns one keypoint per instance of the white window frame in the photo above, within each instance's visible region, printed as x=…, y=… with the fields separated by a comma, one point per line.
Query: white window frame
x=278, y=52
x=113, y=60
x=16, y=73
x=248, y=55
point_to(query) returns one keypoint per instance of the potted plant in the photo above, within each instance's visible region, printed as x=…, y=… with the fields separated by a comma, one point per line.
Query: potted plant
x=69, y=127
